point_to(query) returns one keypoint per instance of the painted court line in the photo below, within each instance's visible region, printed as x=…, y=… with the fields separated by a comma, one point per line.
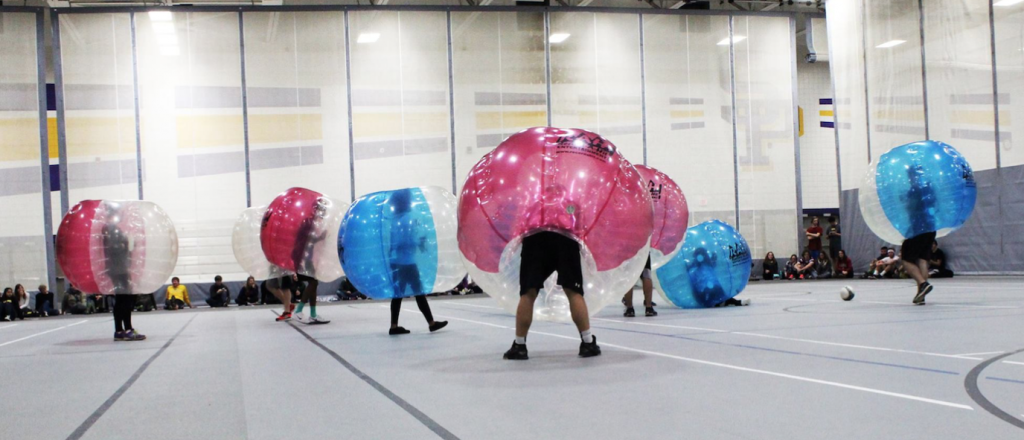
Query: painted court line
x=43, y=333
x=908, y=304
x=979, y=354
x=749, y=370
x=8, y=326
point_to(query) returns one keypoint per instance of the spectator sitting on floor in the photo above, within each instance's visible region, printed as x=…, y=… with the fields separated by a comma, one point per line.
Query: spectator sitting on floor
x=805, y=266
x=887, y=267
x=220, y=295
x=937, y=263
x=266, y=296
x=23, y=310
x=74, y=302
x=8, y=305
x=177, y=296
x=250, y=293
x=876, y=264
x=824, y=269
x=791, y=272
x=45, y=302
x=770, y=267
x=348, y=291
x=844, y=267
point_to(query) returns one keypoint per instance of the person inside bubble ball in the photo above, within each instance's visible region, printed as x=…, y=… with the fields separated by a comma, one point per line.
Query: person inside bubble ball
x=302, y=256
x=917, y=250
x=648, y=285
x=702, y=271
x=543, y=253
x=117, y=252
x=408, y=238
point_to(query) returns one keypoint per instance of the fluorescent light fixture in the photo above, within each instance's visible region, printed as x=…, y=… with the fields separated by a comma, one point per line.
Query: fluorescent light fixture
x=735, y=39
x=368, y=37
x=1007, y=2
x=558, y=37
x=890, y=43
x=170, y=51
x=161, y=15
x=167, y=39
x=163, y=27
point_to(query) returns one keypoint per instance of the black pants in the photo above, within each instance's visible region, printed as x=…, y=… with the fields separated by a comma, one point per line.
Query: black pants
x=123, y=305
x=9, y=311
x=421, y=302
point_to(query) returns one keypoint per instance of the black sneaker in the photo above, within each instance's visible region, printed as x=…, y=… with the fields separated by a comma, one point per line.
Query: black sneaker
x=629, y=313
x=398, y=331
x=438, y=325
x=517, y=352
x=650, y=312
x=590, y=349
x=924, y=289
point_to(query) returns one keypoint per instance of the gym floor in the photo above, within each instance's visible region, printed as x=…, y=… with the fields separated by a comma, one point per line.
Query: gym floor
x=798, y=363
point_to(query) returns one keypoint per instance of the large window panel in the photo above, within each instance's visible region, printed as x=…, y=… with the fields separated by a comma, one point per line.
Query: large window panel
x=99, y=107
x=958, y=60
x=765, y=138
x=22, y=242
x=894, y=75
x=296, y=95
x=193, y=153
x=689, y=110
x=499, y=78
x=595, y=77
x=400, y=111
x=846, y=32
x=1009, y=33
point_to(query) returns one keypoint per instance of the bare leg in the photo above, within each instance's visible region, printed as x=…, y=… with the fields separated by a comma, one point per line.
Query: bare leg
x=524, y=313
x=578, y=309
x=628, y=298
x=283, y=296
x=648, y=292
x=915, y=272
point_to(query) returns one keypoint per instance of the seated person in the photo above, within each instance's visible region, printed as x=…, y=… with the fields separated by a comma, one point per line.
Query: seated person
x=769, y=267
x=250, y=293
x=791, y=272
x=876, y=263
x=8, y=305
x=74, y=302
x=348, y=291
x=805, y=266
x=844, y=267
x=266, y=296
x=824, y=266
x=220, y=295
x=733, y=302
x=937, y=263
x=23, y=310
x=888, y=267
x=177, y=296
x=98, y=302
x=45, y=302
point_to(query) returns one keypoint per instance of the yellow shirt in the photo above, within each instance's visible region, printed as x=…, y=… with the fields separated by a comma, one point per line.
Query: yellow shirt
x=178, y=293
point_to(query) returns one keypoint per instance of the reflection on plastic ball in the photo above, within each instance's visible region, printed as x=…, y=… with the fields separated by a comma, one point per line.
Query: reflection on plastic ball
x=916, y=188
x=245, y=243
x=712, y=266
x=299, y=233
x=401, y=243
x=114, y=247
x=671, y=214
x=573, y=182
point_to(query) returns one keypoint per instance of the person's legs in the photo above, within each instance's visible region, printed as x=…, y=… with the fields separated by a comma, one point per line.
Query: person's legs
x=578, y=309
x=648, y=293
x=309, y=296
x=524, y=315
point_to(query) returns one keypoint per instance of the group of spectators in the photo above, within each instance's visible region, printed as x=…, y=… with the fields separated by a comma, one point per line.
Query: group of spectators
x=14, y=303
x=887, y=264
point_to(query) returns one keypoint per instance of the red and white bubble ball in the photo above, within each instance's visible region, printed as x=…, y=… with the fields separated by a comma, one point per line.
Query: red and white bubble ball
x=568, y=181
x=117, y=247
x=671, y=214
x=299, y=233
x=245, y=243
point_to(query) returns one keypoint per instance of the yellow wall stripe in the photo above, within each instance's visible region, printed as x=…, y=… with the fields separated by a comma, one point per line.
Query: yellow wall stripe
x=499, y=120
x=686, y=114
x=826, y=113
x=19, y=139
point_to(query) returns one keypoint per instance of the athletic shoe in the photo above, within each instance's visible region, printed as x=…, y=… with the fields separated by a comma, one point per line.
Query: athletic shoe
x=745, y=302
x=517, y=353
x=922, y=290
x=437, y=325
x=590, y=349
x=301, y=317
x=132, y=335
x=118, y=336
x=283, y=317
x=398, y=331
x=317, y=320
x=629, y=313
x=650, y=312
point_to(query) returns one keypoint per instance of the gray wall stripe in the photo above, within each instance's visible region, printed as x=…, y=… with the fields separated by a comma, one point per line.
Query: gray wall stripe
x=18, y=97
x=686, y=125
x=245, y=110
x=44, y=151
x=138, y=112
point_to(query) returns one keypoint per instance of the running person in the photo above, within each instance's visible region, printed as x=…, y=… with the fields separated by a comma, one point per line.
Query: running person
x=283, y=289
x=917, y=250
x=116, y=249
x=543, y=253
x=302, y=257
x=408, y=239
x=648, y=285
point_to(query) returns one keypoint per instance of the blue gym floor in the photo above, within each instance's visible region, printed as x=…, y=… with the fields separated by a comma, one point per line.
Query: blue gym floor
x=798, y=363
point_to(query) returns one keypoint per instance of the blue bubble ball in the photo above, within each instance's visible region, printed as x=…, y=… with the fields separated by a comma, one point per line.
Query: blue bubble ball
x=712, y=266
x=917, y=188
x=401, y=243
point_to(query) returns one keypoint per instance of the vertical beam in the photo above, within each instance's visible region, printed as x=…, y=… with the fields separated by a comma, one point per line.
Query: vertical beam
x=735, y=136
x=245, y=109
x=58, y=88
x=835, y=128
x=44, y=153
x=348, y=98
x=864, y=54
x=451, y=101
x=796, y=133
x=643, y=89
x=547, y=60
x=924, y=70
x=995, y=83
x=138, y=113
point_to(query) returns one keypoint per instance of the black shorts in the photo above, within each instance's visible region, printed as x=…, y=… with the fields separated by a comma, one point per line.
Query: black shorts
x=648, y=265
x=547, y=252
x=917, y=248
x=306, y=279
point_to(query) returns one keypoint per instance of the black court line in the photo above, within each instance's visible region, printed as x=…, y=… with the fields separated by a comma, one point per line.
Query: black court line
x=84, y=427
x=971, y=385
x=419, y=415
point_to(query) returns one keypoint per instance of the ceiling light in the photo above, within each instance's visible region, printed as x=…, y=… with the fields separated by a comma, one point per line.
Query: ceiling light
x=1007, y=2
x=163, y=27
x=558, y=37
x=167, y=39
x=369, y=37
x=735, y=39
x=890, y=43
x=161, y=15
x=171, y=51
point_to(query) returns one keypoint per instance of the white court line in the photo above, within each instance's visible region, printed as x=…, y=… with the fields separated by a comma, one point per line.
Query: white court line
x=979, y=354
x=8, y=326
x=663, y=325
x=1013, y=363
x=43, y=333
x=891, y=303
x=739, y=368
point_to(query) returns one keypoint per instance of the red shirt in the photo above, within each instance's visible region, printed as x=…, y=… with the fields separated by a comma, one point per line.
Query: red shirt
x=844, y=265
x=814, y=243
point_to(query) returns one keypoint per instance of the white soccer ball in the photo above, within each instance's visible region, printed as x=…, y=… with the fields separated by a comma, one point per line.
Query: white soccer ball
x=846, y=293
